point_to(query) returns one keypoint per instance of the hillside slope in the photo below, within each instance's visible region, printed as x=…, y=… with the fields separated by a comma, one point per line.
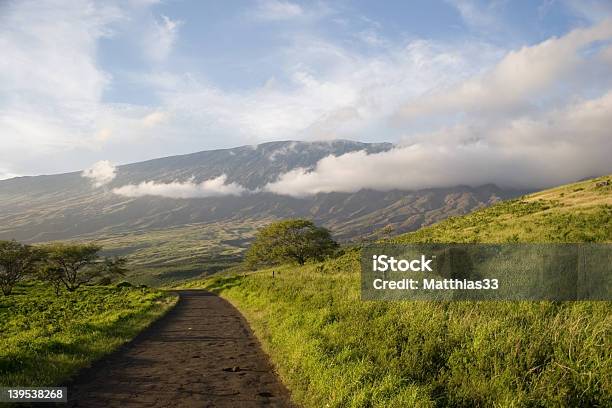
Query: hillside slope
x=578, y=212
x=333, y=349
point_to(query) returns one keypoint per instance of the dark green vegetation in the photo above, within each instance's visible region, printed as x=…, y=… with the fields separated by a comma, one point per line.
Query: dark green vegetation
x=17, y=261
x=71, y=265
x=45, y=338
x=332, y=349
x=290, y=241
x=159, y=257
x=176, y=239
x=63, y=265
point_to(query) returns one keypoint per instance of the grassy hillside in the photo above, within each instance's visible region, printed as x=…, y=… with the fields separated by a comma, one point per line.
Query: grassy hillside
x=45, y=338
x=169, y=255
x=579, y=212
x=332, y=349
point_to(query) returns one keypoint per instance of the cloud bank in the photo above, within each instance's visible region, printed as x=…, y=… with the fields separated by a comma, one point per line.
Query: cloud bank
x=558, y=147
x=524, y=78
x=209, y=188
x=539, y=117
x=100, y=173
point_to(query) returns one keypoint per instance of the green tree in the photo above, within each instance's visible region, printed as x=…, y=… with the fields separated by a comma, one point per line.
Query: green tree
x=72, y=265
x=17, y=260
x=51, y=274
x=292, y=240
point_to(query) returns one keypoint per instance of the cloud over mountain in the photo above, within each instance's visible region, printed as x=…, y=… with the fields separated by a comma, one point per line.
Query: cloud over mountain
x=559, y=146
x=100, y=173
x=189, y=189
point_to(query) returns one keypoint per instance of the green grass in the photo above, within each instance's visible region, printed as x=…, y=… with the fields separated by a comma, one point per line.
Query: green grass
x=579, y=212
x=159, y=257
x=180, y=245
x=45, y=338
x=332, y=349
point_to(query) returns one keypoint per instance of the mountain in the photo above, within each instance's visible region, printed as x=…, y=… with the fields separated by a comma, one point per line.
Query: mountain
x=67, y=206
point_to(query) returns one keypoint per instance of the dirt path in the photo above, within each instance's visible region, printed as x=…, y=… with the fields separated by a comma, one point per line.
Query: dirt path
x=202, y=354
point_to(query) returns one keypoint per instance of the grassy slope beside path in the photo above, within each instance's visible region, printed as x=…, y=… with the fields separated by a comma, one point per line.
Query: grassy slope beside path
x=45, y=338
x=332, y=349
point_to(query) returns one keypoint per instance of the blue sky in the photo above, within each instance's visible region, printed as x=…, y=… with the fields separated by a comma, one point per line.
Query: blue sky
x=236, y=45
x=125, y=81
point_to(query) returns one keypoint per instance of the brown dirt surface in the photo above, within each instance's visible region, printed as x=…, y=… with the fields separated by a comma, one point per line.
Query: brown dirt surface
x=201, y=354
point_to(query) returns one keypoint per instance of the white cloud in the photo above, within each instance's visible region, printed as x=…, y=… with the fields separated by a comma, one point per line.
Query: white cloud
x=155, y=118
x=100, y=173
x=331, y=92
x=530, y=152
x=53, y=86
x=282, y=151
x=51, y=83
x=49, y=50
x=520, y=80
x=161, y=37
x=372, y=38
x=5, y=174
x=189, y=189
x=277, y=10
x=103, y=135
x=476, y=15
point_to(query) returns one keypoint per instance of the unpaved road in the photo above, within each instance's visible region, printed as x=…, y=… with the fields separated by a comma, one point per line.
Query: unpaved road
x=201, y=354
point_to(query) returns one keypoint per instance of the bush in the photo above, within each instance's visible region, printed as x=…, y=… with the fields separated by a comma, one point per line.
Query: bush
x=106, y=280
x=290, y=241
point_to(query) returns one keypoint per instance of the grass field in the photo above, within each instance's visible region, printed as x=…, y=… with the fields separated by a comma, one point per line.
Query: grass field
x=332, y=349
x=45, y=338
x=579, y=212
x=158, y=257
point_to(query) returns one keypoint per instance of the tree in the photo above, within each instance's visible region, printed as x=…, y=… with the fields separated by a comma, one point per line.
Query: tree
x=16, y=262
x=115, y=266
x=72, y=265
x=51, y=274
x=387, y=230
x=293, y=240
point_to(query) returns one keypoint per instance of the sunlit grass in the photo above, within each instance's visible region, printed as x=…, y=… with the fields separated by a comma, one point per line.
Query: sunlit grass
x=332, y=349
x=45, y=338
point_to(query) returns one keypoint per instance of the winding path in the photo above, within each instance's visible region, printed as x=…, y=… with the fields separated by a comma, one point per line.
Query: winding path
x=201, y=354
